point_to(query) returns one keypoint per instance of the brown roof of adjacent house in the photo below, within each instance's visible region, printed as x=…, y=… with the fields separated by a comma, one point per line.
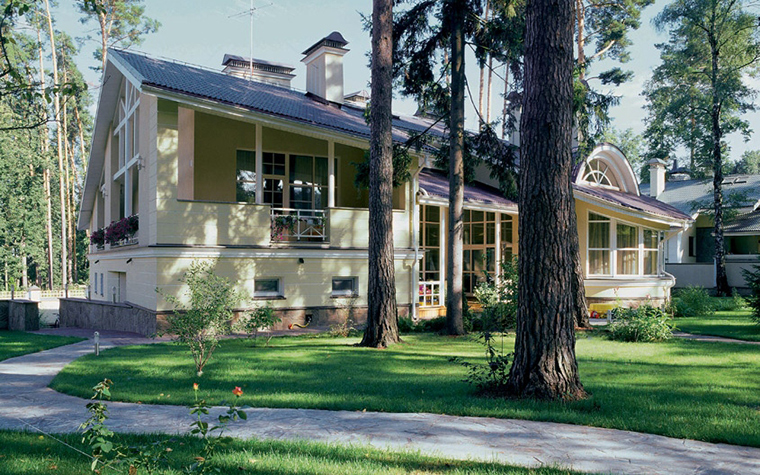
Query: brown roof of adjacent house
x=629, y=200
x=436, y=183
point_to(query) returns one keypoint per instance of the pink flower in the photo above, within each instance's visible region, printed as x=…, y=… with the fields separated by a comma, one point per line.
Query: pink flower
x=237, y=391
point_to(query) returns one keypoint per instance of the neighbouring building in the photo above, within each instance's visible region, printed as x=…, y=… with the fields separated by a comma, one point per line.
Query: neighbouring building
x=190, y=163
x=690, y=256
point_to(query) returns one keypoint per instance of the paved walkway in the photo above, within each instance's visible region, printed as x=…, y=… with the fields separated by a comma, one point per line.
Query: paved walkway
x=712, y=338
x=26, y=399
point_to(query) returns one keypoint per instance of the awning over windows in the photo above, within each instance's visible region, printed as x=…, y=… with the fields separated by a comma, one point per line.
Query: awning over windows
x=435, y=184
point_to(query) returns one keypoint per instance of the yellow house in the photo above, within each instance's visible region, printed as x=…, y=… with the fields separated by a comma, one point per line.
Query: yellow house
x=237, y=166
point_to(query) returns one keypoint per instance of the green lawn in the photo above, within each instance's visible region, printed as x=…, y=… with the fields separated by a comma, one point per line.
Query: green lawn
x=688, y=389
x=738, y=324
x=30, y=454
x=14, y=344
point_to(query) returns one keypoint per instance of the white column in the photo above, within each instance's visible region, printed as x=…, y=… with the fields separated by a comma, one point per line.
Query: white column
x=444, y=233
x=127, y=192
x=330, y=174
x=497, y=254
x=259, y=165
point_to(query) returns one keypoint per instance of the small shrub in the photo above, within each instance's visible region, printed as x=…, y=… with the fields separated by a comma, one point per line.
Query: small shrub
x=436, y=324
x=752, y=277
x=729, y=304
x=645, y=323
x=207, y=317
x=489, y=378
x=255, y=320
x=499, y=301
x=693, y=301
x=406, y=325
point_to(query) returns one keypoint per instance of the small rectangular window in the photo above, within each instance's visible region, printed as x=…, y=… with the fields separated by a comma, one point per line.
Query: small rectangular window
x=691, y=247
x=344, y=286
x=101, y=284
x=96, y=283
x=246, y=176
x=269, y=287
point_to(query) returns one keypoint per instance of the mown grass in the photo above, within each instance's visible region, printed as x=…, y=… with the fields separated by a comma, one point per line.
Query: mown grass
x=14, y=344
x=737, y=324
x=686, y=389
x=30, y=454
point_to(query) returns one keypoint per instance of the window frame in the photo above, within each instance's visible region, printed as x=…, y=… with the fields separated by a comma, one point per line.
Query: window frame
x=353, y=292
x=640, y=248
x=268, y=295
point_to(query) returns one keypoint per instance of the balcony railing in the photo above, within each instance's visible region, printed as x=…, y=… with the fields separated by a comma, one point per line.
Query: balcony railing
x=289, y=224
x=430, y=294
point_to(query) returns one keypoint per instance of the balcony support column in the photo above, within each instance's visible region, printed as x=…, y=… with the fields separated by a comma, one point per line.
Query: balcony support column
x=330, y=174
x=259, y=165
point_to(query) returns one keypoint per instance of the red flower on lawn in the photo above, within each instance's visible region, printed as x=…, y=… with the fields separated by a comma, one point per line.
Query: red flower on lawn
x=195, y=386
x=237, y=391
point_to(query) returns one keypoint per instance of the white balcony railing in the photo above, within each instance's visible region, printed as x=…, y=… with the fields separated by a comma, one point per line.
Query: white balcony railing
x=430, y=294
x=298, y=225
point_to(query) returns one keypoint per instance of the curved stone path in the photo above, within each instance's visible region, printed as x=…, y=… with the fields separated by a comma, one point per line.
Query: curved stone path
x=25, y=400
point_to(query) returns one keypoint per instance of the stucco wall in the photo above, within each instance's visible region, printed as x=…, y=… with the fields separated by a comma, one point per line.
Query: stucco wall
x=82, y=313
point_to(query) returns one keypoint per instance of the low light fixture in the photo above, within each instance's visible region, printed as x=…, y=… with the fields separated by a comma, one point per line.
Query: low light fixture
x=300, y=260
x=96, y=261
x=129, y=260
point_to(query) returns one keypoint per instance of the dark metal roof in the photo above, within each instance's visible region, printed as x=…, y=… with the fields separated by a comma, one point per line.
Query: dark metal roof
x=255, y=96
x=748, y=222
x=640, y=203
x=684, y=194
x=435, y=183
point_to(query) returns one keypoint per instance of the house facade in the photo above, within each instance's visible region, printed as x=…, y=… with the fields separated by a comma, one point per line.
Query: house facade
x=238, y=167
x=690, y=254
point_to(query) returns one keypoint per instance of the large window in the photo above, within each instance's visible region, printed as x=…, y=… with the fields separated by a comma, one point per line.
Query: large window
x=430, y=243
x=599, y=250
x=619, y=248
x=289, y=181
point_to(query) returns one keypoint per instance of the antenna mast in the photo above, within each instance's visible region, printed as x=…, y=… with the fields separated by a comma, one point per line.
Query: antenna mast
x=250, y=13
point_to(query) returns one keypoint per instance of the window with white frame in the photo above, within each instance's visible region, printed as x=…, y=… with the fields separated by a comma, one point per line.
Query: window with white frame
x=597, y=172
x=267, y=287
x=618, y=248
x=345, y=286
x=246, y=176
x=126, y=146
x=599, y=249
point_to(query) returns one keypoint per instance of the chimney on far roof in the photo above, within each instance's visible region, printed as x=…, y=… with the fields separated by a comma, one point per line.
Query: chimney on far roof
x=656, y=177
x=261, y=71
x=324, y=67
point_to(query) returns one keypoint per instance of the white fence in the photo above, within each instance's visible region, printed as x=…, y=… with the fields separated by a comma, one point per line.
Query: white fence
x=78, y=292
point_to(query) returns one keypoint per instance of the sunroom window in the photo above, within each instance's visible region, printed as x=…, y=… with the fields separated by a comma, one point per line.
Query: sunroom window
x=599, y=249
x=627, y=249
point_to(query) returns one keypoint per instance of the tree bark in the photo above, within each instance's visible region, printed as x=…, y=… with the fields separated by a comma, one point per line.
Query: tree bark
x=59, y=137
x=382, y=317
x=544, y=364
x=454, y=256
x=579, y=290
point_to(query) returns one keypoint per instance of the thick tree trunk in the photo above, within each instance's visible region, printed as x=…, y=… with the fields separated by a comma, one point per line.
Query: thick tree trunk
x=59, y=137
x=544, y=364
x=382, y=317
x=454, y=256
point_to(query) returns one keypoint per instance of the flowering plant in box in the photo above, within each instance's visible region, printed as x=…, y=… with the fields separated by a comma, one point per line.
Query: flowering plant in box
x=98, y=238
x=121, y=230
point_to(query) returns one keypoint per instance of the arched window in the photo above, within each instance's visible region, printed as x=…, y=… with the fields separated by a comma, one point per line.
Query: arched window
x=597, y=172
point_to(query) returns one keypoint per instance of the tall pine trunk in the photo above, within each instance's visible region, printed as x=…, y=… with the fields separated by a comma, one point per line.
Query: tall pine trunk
x=59, y=137
x=45, y=137
x=382, y=317
x=454, y=256
x=544, y=364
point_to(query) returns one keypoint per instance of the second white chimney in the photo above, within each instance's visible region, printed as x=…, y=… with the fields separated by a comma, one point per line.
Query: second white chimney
x=656, y=177
x=324, y=67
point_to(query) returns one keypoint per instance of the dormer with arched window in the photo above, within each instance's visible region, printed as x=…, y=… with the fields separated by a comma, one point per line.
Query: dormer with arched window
x=607, y=167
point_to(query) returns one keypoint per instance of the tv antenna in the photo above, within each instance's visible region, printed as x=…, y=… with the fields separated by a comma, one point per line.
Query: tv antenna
x=250, y=12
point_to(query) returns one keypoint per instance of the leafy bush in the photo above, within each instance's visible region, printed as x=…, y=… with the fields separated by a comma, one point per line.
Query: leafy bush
x=693, y=301
x=207, y=317
x=258, y=318
x=406, y=325
x=645, y=323
x=729, y=304
x=752, y=277
x=432, y=325
x=499, y=301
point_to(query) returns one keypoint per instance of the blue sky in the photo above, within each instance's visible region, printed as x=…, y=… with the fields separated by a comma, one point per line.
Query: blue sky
x=202, y=31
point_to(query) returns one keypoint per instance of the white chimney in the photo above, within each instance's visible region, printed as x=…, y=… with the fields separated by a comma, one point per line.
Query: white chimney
x=656, y=177
x=324, y=67
x=259, y=70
